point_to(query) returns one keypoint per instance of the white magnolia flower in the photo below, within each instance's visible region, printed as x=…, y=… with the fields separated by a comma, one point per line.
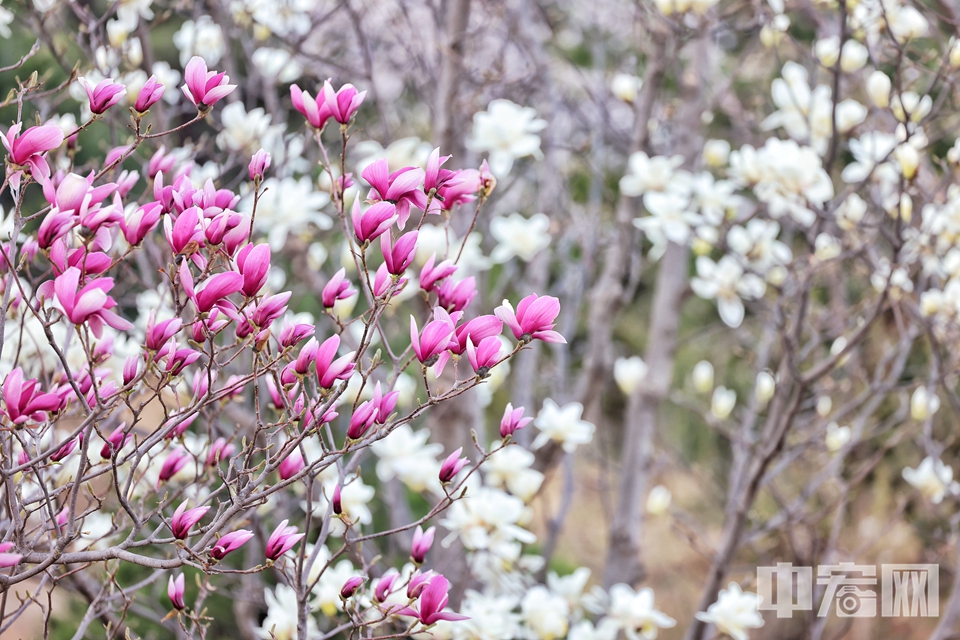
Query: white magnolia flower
x=277, y=64
x=629, y=373
x=246, y=131
x=507, y=131
x=869, y=151
x=545, y=614
x=282, y=615
x=764, y=388
x=878, y=88
x=648, y=174
x=658, y=500
x=757, y=244
x=287, y=206
x=170, y=79
x=837, y=437
x=6, y=17
x=635, y=614
x=201, y=38
x=485, y=518
x=606, y=629
x=562, y=425
x=734, y=612
x=510, y=467
x=284, y=18
x=671, y=217
x=932, y=479
x=626, y=86
x=519, y=236
x=405, y=454
x=716, y=153
x=491, y=617
x=923, y=404
x=726, y=282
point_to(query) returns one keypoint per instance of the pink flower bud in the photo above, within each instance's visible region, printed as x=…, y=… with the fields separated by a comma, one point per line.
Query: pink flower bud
x=512, y=421
x=291, y=465
x=452, y=466
x=204, y=88
x=259, y=164
x=219, y=450
x=184, y=519
x=385, y=585
x=431, y=274
x=282, y=540
x=337, y=501
x=175, y=590
x=342, y=103
x=230, y=542
x=421, y=543
x=103, y=96
x=350, y=587
x=337, y=289
x=149, y=94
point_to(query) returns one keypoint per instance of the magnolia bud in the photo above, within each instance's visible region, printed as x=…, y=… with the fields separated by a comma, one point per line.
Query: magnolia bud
x=923, y=404
x=909, y=159
x=765, y=387
x=827, y=51
x=878, y=88
x=853, y=56
x=824, y=405
x=625, y=86
x=703, y=376
x=658, y=500
x=723, y=402
x=716, y=153
x=629, y=373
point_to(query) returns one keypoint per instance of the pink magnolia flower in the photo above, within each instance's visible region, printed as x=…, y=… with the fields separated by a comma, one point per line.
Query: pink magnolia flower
x=24, y=400
x=316, y=113
x=291, y=465
x=175, y=590
x=131, y=369
x=452, y=465
x=477, y=329
x=433, y=599
x=269, y=309
x=385, y=403
x=160, y=162
x=292, y=333
x=512, y=421
x=175, y=461
x=67, y=448
x=259, y=164
x=149, y=94
x=184, y=230
x=103, y=96
x=350, y=587
x=213, y=290
x=398, y=255
x=337, y=289
x=141, y=222
x=253, y=262
x=457, y=296
x=89, y=304
x=434, y=340
x=70, y=194
x=8, y=559
x=184, y=519
x=219, y=450
x=369, y=224
x=35, y=141
x=55, y=225
x=435, y=177
x=230, y=542
x=159, y=334
x=431, y=274
x=342, y=103
x=282, y=540
x=385, y=585
x=533, y=319
x=484, y=356
x=362, y=419
x=459, y=191
x=422, y=540
x=417, y=583
x=204, y=88
x=400, y=188
x=115, y=441
x=330, y=370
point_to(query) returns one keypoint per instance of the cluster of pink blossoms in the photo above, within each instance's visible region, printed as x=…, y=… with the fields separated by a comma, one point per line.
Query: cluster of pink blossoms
x=218, y=275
